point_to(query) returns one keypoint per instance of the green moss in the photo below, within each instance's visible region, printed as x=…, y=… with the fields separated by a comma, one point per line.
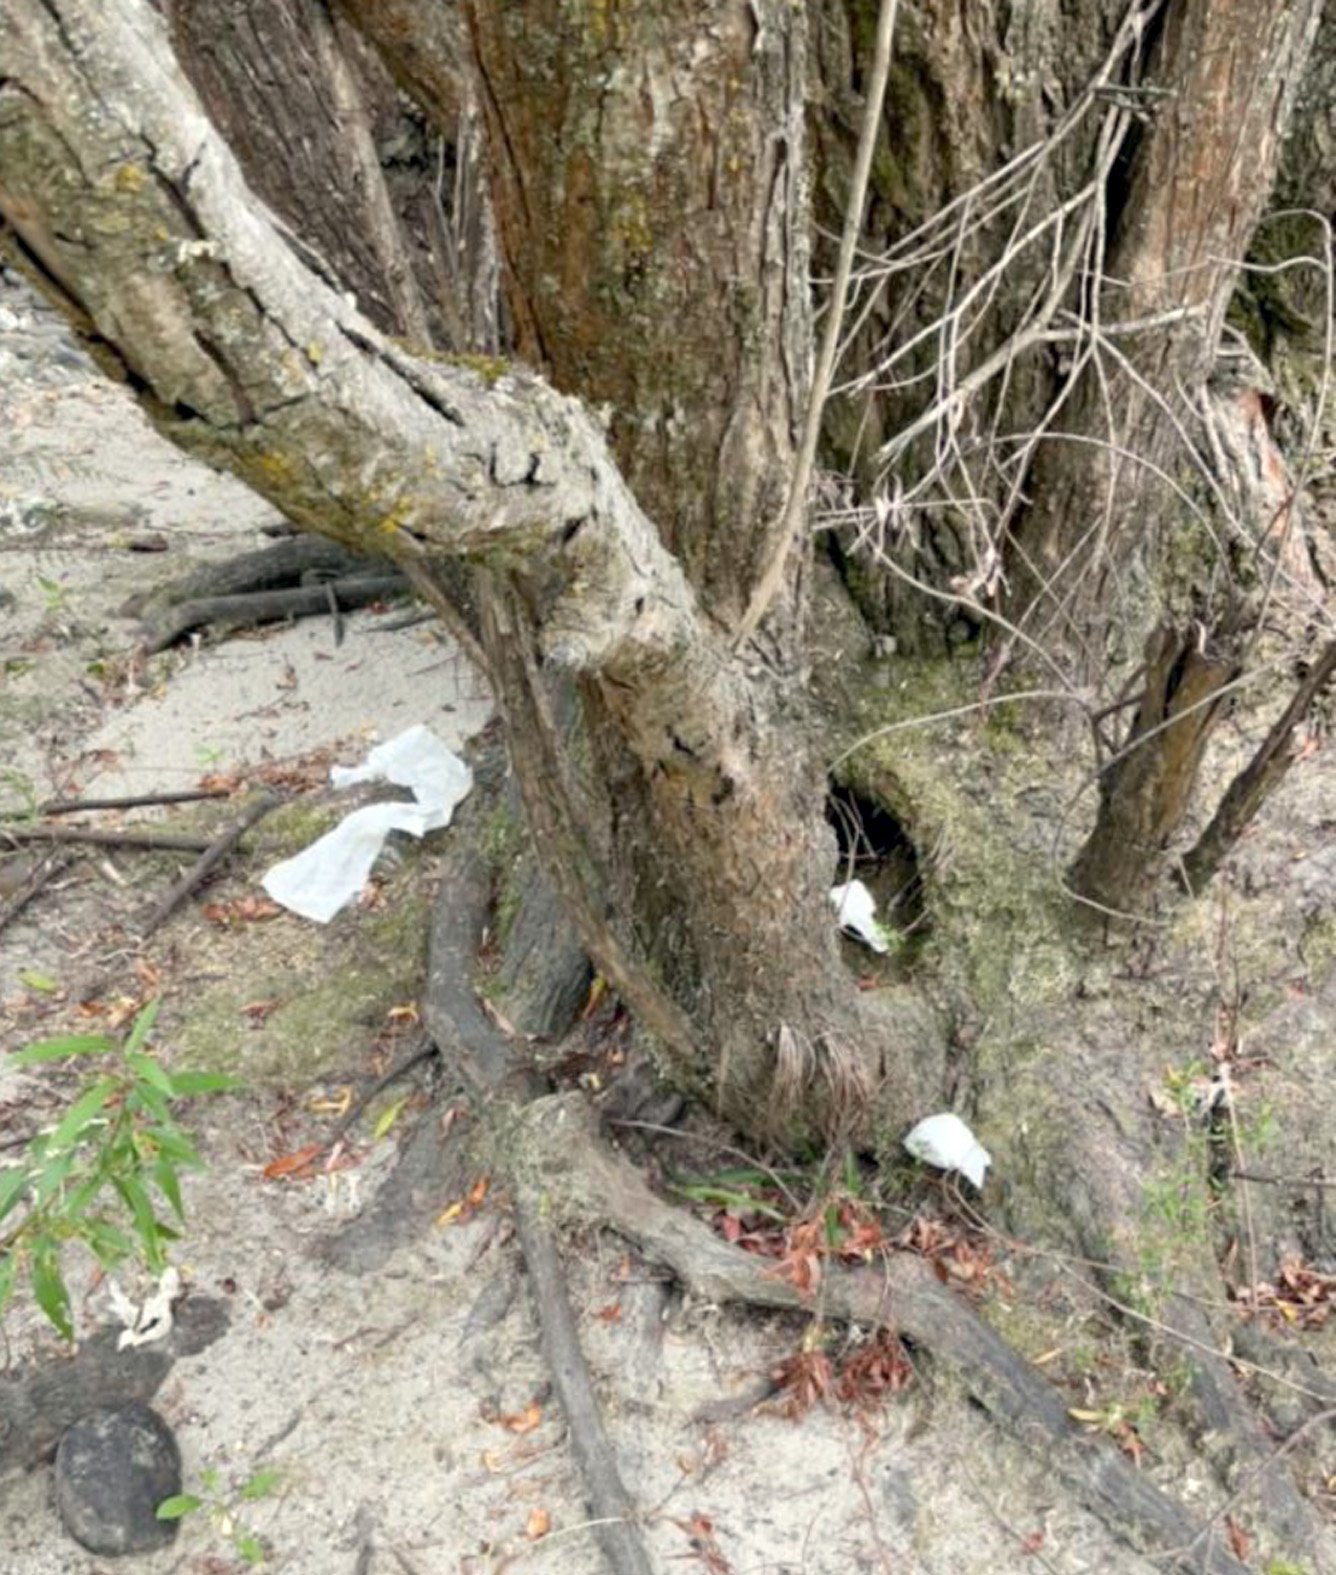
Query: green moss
x=292, y=827
x=490, y=368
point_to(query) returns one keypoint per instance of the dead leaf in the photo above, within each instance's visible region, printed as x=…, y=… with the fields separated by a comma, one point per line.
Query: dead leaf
x=1239, y=1539
x=521, y=1422
x=297, y=1166
x=538, y=1524
x=335, y=1104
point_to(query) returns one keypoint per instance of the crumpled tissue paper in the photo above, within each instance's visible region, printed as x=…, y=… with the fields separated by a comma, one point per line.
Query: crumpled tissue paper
x=946, y=1142
x=323, y=878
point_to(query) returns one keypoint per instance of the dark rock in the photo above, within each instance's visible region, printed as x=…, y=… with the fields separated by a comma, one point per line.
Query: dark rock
x=42, y=1398
x=113, y=1469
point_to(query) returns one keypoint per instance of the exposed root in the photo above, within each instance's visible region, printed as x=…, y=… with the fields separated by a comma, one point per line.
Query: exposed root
x=562, y=1147
x=501, y=1085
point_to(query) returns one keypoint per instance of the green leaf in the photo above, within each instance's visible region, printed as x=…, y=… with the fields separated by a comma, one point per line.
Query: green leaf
x=143, y=1096
x=262, y=1484
x=185, y=1084
x=143, y=1025
x=13, y=1179
x=164, y=1176
x=52, y=1177
x=58, y=1049
x=82, y=1195
x=178, y=1506
x=173, y=1144
x=147, y=1069
x=386, y=1119
x=50, y=1291
x=110, y=1245
x=150, y=1232
x=38, y=981
x=9, y=1273
x=250, y=1548
x=83, y=1111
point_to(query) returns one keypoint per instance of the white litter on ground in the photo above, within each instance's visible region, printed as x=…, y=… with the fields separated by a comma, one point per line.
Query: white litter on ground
x=323, y=878
x=856, y=911
x=946, y=1142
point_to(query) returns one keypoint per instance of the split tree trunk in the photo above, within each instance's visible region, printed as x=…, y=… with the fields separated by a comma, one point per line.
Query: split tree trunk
x=697, y=847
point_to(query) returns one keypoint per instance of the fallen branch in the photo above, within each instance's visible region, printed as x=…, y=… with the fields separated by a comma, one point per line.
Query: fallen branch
x=39, y=877
x=152, y=841
x=354, y=1114
x=304, y=601
x=294, y=560
x=75, y=806
x=214, y=853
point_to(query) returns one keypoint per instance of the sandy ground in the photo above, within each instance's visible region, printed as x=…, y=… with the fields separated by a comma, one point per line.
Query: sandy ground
x=382, y=1362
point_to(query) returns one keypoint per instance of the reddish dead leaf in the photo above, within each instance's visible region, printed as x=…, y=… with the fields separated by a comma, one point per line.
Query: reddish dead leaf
x=704, y=1544
x=1239, y=1539
x=804, y=1380
x=538, y=1524
x=256, y=1012
x=612, y=1313
x=466, y=1207
x=241, y=910
x=373, y=898
x=874, y=1370
x=149, y=976
x=1031, y=1545
x=297, y=1166
x=219, y=782
x=800, y=1264
x=1129, y=1441
x=1299, y=1296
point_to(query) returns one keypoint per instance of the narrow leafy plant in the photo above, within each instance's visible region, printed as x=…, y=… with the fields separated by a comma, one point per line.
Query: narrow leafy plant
x=101, y=1175
x=222, y=1511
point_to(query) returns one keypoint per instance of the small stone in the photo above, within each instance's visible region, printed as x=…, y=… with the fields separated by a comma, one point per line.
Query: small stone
x=113, y=1468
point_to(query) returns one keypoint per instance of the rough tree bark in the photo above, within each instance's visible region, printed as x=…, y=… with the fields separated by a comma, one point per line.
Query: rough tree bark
x=648, y=166
x=141, y=224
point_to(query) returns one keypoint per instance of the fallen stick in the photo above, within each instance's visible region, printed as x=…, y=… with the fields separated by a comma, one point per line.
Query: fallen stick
x=269, y=606
x=159, y=841
x=72, y=806
x=405, y=1064
x=214, y=853
x=46, y=871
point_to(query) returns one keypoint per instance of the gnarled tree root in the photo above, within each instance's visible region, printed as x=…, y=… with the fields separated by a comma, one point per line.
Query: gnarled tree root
x=549, y=1150
x=501, y=1085
x=564, y=1153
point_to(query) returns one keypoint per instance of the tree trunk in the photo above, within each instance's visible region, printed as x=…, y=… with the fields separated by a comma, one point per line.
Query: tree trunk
x=704, y=853
x=1041, y=216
